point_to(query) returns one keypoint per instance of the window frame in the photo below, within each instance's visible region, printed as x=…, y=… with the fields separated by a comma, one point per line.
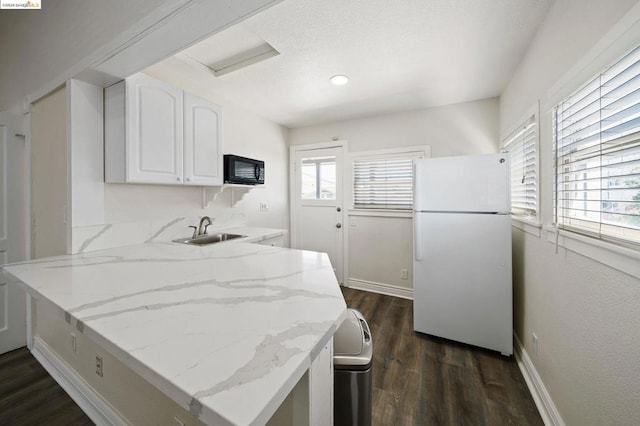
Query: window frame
x=567, y=229
x=422, y=151
x=318, y=179
x=529, y=223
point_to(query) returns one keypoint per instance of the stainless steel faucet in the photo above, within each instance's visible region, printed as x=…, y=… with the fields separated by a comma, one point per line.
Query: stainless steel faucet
x=204, y=219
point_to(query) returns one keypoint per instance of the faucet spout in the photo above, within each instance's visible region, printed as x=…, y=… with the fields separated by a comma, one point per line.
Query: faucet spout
x=205, y=221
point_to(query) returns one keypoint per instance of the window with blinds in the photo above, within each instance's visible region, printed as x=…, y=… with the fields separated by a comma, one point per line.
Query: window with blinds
x=383, y=183
x=522, y=147
x=597, y=144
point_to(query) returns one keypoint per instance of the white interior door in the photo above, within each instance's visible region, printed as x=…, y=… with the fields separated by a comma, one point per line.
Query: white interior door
x=317, y=203
x=12, y=230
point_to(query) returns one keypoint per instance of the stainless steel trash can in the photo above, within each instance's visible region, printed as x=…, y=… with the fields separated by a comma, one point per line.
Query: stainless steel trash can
x=352, y=360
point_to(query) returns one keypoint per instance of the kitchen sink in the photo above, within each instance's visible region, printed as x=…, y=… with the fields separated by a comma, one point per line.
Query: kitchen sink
x=204, y=240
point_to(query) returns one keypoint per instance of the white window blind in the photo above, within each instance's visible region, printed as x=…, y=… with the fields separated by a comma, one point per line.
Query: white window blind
x=522, y=146
x=597, y=143
x=383, y=183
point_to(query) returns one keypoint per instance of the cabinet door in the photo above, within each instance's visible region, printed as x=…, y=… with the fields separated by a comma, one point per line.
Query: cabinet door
x=321, y=387
x=154, y=131
x=202, y=143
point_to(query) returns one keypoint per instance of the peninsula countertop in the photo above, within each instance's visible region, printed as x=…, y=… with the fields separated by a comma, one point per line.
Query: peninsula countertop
x=224, y=330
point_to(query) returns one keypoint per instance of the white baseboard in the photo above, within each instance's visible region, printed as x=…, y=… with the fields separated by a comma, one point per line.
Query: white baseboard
x=98, y=410
x=546, y=407
x=388, y=289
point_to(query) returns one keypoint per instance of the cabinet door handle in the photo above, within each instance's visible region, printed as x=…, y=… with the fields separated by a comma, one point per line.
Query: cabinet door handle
x=178, y=178
x=338, y=225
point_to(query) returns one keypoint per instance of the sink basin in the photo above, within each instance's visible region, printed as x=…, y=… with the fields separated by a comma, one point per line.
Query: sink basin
x=204, y=240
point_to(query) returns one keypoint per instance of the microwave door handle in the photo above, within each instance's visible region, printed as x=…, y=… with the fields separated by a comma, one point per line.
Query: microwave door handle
x=256, y=171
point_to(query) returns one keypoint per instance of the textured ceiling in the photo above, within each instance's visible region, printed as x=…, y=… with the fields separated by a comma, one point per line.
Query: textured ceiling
x=399, y=55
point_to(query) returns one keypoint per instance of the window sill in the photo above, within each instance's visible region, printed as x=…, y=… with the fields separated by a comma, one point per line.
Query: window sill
x=381, y=213
x=528, y=225
x=621, y=258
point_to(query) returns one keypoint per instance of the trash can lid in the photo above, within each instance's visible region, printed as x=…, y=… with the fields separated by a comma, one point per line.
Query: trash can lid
x=352, y=345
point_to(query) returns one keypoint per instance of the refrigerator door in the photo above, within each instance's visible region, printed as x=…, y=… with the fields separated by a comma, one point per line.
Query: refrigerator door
x=472, y=183
x=462, y=278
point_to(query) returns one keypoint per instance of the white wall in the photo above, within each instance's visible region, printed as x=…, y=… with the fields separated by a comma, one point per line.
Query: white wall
x=49, y=197
x=584, y=313
x=379, y=247
x=459, y=129
x=85, y=133
x=39, y=46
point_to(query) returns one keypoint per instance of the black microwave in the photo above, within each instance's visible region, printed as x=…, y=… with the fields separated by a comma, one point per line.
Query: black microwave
x=243, y=170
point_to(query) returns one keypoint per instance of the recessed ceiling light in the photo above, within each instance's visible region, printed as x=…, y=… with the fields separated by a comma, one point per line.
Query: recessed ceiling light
x=339, y=80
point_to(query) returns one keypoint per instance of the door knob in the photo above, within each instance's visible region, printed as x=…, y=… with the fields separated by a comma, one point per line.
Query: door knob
x=338, y=225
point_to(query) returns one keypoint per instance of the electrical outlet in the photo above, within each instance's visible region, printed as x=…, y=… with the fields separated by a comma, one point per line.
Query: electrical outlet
x=74, y=344
x=99, y=365
x=534, y=341
x=404, y=273
x=264, y=207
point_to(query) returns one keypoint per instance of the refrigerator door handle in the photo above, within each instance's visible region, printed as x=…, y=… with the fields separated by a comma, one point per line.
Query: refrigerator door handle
x=417, y=242
x=417, y=204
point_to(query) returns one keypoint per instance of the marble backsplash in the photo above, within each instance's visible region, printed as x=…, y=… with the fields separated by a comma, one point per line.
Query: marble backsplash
x=97, y=237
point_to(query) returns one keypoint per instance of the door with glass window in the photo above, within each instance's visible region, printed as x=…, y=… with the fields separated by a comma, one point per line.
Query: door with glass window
x=317, y=203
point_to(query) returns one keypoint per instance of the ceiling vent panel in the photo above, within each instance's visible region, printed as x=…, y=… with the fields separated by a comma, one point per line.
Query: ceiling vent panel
x=243, y=59
x=232, y=49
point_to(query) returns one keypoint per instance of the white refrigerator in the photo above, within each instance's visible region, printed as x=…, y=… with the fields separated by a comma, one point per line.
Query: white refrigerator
x=462, y=285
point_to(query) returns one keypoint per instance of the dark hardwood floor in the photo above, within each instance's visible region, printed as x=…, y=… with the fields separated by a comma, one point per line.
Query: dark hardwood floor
x=424, y=380
x=29, y=396
x=417, y=379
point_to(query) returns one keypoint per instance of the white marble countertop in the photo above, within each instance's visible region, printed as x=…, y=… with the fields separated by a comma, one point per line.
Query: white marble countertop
x=253, y=234
x=224, y=330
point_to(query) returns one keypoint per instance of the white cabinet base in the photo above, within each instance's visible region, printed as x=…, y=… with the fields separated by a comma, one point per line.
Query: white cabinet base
x=321, y=388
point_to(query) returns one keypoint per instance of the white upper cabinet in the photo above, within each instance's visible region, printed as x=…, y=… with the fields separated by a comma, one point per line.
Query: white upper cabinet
x=156, y=133
x=202, y=148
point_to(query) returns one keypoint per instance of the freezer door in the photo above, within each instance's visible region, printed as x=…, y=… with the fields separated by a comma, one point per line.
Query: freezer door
x=472, y=183
x=462, y=278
